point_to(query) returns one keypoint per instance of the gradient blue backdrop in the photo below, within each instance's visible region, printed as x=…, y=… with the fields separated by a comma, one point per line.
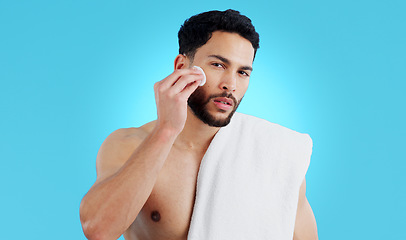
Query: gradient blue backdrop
x=72, y=72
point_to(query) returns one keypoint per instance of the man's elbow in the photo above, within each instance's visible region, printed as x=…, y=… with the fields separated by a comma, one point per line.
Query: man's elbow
x=91, y=233
x=94, y=231
x=92, y=228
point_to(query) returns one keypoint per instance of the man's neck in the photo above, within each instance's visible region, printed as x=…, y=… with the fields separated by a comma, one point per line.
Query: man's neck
x=196, y=135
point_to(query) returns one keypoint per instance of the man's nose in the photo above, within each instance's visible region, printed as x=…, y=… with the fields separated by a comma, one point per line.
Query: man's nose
x=229, y=83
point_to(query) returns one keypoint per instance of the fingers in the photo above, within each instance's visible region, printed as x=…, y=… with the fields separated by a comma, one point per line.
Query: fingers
x=185, y=81
x=176, y=75
x=189, y=89
x=179, y=81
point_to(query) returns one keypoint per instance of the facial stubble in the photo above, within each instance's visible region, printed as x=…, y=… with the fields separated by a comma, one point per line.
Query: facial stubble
x=198, y=104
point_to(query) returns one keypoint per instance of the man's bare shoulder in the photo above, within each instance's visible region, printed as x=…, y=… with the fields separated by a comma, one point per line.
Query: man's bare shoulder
x=118, y=147
x=129, y=136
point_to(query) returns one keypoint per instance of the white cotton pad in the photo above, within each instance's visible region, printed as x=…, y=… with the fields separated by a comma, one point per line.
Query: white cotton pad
x=204, y=75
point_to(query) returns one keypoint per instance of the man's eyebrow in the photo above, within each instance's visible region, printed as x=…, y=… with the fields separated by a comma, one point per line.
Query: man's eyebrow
x=223, y=59
x=247, y=68
x=226, y=61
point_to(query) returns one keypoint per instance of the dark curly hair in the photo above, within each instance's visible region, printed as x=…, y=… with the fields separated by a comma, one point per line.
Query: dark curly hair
x=197, y=30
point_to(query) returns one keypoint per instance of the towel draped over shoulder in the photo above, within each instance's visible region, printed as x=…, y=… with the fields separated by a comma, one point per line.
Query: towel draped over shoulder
x=248, y=182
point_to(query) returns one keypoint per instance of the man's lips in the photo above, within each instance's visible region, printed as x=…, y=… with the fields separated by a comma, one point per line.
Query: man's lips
x=224, y=100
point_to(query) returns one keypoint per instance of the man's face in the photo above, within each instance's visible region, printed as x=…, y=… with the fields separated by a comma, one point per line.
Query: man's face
x=227, y=62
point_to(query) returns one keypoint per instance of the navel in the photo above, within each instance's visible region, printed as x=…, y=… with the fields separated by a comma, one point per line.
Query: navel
x=155, y=216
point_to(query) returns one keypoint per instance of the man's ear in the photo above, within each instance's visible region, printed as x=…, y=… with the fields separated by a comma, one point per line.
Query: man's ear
x=181, y=61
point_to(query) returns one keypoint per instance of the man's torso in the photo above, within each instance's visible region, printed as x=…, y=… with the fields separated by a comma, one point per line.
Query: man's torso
x=168, y=210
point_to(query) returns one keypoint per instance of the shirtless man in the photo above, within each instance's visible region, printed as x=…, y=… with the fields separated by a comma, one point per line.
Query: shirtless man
x=146, y=176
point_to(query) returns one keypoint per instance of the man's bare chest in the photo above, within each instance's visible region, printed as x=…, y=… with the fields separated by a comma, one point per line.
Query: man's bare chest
x=168, y=210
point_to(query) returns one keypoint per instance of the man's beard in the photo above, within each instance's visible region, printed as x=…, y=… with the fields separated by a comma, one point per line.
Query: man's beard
x=198, y=104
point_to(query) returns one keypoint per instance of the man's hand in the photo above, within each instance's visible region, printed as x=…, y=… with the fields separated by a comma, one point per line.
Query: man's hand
x=171, y=95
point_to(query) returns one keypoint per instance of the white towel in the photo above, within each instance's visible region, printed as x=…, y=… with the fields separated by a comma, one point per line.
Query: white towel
x=248, y=182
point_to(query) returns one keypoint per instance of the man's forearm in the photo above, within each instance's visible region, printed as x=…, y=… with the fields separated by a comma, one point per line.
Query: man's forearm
x=111, y=205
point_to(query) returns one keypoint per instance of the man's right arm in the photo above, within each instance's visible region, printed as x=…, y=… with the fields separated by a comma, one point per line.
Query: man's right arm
x=114, y=201
x=124, y=184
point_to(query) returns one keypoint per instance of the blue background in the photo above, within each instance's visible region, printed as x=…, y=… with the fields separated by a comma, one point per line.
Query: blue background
x=72, y=72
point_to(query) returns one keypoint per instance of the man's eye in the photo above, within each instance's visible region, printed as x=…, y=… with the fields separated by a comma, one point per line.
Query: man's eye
x=244, y=73
x=217, y=64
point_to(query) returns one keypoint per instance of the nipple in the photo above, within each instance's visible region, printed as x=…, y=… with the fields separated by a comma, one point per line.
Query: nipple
x=204, y=75
x=155, y=216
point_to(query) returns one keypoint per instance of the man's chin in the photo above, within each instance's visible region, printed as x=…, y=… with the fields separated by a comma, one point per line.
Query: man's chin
x=220, y=119
x=209, y=114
